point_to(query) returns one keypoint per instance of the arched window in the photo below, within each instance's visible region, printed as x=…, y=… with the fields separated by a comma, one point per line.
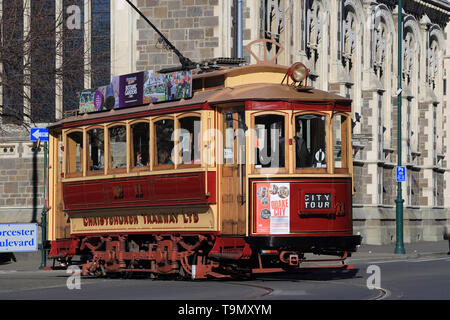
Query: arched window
x=117, y=146
x=270, y=141
x=190, y=139
x=140, y=151
x=96, y=147
x=163, y=133
x=310, y=141
x=74, y=153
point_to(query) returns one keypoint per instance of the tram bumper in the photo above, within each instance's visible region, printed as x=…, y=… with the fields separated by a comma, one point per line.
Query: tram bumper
x=333, y=245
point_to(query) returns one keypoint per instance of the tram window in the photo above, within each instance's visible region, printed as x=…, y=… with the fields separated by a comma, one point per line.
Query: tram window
x=270, y=135
x=234, y=131
x=74, y=152
x=310, y=147
x=340, y=141
x=96, y=154
x=140, y=144
x=117, y=147
x=190, y=128
x=164, y=141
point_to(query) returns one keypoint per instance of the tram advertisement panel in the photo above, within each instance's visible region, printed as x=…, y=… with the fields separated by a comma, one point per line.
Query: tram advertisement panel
x=135, y=89
x=272, y=208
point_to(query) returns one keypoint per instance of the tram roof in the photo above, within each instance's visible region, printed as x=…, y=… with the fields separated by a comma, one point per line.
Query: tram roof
x=213, y=97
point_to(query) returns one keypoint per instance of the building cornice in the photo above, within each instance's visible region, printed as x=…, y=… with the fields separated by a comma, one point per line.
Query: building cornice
x=438, y=11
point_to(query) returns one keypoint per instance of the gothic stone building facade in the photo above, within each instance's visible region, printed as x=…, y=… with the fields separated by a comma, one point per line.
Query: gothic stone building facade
x=350, y=47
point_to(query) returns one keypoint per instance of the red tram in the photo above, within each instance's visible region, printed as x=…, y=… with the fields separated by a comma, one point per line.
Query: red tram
x=249, y=174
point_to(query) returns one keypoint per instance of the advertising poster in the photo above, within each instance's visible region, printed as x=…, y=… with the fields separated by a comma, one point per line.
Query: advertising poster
x=100, y=98
x=131, y=89
x=167, y=87
x=272, y=208
x=136, y=89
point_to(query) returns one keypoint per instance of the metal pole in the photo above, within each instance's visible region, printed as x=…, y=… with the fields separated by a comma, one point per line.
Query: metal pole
x=44, y=213
x=399, y=247
x=239, y=42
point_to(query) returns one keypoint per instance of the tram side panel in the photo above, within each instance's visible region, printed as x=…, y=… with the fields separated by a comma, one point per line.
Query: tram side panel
x=158, y=203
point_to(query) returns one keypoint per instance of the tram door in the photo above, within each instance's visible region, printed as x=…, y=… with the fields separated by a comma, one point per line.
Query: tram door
x=233, y=172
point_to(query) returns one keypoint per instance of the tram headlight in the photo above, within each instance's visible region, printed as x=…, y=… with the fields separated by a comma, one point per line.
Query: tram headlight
x=298, y=72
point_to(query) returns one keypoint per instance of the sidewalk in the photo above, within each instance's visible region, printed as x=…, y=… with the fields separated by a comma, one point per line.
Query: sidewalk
x=25, y=261
x=412, y=251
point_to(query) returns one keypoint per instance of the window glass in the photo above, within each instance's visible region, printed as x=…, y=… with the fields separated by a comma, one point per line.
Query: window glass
x=310, y=147
x=140, y=152
x=234, y=131
x=164, y=141
x=228, y=149
x=74, y=152
x=270, y=141
x=339, y=141
x=118, y=147
x=96, y=154
x=190, y=128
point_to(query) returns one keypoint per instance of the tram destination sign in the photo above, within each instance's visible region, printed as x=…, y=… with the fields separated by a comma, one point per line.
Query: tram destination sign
x=317, y=200
x=136, y=89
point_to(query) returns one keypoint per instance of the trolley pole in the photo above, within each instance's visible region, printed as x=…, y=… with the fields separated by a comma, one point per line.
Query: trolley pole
x=399, y=247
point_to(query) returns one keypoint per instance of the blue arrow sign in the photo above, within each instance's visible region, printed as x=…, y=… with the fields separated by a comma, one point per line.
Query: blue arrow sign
x=38, y=133
x=401, y=174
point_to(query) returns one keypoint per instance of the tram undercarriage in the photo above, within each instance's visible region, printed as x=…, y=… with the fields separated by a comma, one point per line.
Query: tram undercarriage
x=196, y=256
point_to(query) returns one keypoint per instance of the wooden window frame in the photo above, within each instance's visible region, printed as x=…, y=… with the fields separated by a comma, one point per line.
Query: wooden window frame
x=131, y=145
x=154, y=147
x=345, y=140
x=179, y=157
x=67, y=172
x=87, y=159
x=328, y=141
x=108, y=162
x=252, y=148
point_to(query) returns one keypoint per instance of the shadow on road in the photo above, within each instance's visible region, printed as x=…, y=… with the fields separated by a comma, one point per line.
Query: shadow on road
x=311, y=274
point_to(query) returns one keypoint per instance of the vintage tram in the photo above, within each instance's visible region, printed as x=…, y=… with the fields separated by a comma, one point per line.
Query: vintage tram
x=249, y=174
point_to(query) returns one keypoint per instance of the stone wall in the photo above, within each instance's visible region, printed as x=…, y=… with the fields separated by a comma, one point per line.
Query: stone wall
x=188, y=24
x=21, y=180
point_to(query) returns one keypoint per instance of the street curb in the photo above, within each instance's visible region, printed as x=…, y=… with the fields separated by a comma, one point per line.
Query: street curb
x=393, y=256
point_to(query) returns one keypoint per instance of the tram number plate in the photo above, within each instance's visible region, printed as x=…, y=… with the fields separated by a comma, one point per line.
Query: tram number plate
x=318, y=201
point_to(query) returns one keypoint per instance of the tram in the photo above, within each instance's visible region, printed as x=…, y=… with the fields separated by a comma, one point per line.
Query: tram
x=249, y=173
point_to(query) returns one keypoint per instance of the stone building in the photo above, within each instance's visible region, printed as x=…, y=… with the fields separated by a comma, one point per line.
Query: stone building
x=350, y=47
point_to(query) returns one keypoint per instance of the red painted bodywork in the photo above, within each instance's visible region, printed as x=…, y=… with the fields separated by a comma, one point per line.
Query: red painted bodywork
x=173, y=189
x=316, y=222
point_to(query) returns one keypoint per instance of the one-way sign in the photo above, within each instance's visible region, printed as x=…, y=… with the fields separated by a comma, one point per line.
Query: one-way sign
x=38, y=133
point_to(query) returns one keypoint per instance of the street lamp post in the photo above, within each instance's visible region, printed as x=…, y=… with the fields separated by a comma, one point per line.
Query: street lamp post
x=399, y=247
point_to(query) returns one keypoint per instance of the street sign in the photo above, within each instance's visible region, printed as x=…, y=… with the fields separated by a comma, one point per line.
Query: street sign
x=38, y=133
x=401, y=174
x=18, y=237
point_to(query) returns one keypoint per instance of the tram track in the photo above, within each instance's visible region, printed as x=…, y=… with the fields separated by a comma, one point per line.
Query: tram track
x=383, y=294
x=267, y=290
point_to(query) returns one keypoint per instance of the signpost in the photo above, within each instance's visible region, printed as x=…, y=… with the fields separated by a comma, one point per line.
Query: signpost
x=41, y=134
x=399, y=247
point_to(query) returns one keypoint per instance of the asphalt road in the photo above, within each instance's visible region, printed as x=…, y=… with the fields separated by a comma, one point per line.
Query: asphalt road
x=420, y=278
